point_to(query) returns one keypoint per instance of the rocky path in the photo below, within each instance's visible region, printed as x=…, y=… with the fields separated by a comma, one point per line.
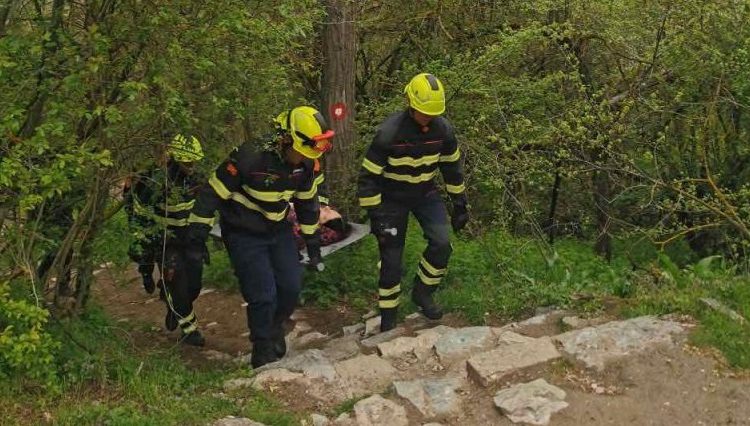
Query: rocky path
x=553, y=368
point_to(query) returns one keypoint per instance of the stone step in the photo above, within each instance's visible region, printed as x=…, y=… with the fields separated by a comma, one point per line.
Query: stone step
x=595, y=347
x=432, y=397
x=531, y=403
x=491, y=367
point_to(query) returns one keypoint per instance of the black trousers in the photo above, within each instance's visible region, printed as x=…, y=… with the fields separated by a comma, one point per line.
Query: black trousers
x=270, y=276
x=390, y=229
x=182, y=279
x=144, y=252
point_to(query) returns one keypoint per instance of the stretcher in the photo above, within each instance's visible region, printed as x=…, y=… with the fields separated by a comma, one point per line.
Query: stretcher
x=358, y=231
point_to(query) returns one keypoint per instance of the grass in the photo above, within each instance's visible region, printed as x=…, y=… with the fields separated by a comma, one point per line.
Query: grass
x=497, y=278
x=493, y=275
x=492, y=278
x=105, y=379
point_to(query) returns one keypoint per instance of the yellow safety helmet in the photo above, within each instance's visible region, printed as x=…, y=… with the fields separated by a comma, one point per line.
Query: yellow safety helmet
x=426, y=94
x=185, y=149
x=309, y=131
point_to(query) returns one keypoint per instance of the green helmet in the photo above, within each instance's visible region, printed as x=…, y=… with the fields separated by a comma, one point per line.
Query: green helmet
x=185, y=149
x=310, y=133
x=426, y=94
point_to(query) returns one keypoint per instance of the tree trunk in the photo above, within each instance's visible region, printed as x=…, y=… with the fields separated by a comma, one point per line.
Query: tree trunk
x=338, y=87
x=4, y=13
x=35, y=110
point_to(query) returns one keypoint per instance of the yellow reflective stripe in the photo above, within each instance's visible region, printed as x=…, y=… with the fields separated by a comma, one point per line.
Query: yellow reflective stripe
x=268, y=196
x=414, y=162
x=219, y=187
x=385, y=292
x=141, y=210
x=372, y=167
x=323, y=200
x=306, y=195
x=428, y=280
x=424, y=177
x=178, y=207
x=194, y=218
x=308, y=229
x=451, y=158
x=431, y=269
x=276, y=217
x=388, y=303
x=170, y=221
x=320, y=179
x=455, y=189
x=190, y=329
x=187, y=319
x=370, y=201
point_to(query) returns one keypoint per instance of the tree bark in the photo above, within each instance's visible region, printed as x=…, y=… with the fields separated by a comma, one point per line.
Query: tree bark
x=4, y=14
x=35, y=110
x=339, y=87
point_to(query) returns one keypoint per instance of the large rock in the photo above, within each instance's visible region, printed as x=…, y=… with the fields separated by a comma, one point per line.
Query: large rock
x=462, y=342
x=276, y=375
x=353, y=329
x=597, y=346
x=365, y=374
x=531, y=403
x=492, y=366
x=342, y=348
x=378, y=411
x=312, y=363
x=319, y=420
x=236, y=421
x=419, y=346
x=372, y=326
x=309, y=339
x=432, y=397
x=374, y=341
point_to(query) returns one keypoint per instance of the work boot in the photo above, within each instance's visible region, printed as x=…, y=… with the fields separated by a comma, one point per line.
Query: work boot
x=148, y=283
x=263, y=353
x=388, y=319
x=162, y=292
x=170, y=321
x=194, y=338
x=421, y=295
x=279, y=343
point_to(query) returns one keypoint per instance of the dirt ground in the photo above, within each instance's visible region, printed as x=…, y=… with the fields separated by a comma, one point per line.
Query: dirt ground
x=676, y=386
x=673, y=386
x=221, y=315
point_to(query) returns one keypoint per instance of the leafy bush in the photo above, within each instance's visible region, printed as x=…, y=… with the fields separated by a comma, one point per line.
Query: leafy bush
x=26, y=349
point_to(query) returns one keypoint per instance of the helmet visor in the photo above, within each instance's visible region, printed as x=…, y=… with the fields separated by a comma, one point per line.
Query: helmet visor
x=321, y=143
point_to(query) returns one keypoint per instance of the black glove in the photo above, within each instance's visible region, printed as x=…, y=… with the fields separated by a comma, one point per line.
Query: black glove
x=315, y=261
x=196, y=251
x=379, y=225
x=460, y=216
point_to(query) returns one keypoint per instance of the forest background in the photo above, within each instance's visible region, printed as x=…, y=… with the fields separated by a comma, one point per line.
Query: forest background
x=606, y=147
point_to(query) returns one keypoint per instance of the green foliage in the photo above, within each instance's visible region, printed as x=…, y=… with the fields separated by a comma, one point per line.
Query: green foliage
x=494, y=276
x=107, y=379
x=27, y=350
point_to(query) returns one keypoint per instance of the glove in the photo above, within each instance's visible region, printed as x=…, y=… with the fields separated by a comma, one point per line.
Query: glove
x=196, y=251
x=460, y=216
x=379, y=224
x=315, y=261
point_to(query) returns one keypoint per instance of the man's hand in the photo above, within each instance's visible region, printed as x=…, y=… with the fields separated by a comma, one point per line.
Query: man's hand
x=315, y=261
x=196, y=251
x=460, y=216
